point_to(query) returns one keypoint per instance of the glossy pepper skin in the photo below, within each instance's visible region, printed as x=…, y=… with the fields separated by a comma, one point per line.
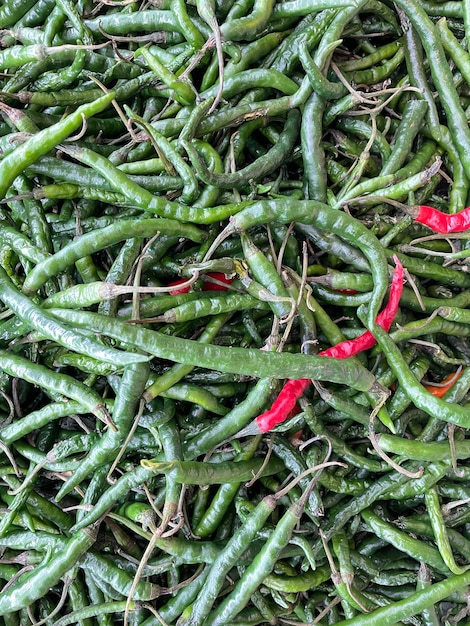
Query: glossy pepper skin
x=443, y=223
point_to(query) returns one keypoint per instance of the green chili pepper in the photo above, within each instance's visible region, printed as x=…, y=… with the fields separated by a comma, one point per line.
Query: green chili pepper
x=35, y=584
x=15, y=162
x=194, y=473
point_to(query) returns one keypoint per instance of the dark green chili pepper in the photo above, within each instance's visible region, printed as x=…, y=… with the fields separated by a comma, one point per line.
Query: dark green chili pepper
x=231, y=423
x=79, y=178
x=256, y=170
x=340, y=447
x=432, y=474
x=115, y=578
x=70, y=10
x=174, y=608
x=401, y=400
x=39, y=229
x=321, y=85
x=441, y=76
x=129, y=480
x=380, y=72
x=409, y=127
x=190, y=188
x=409, y=545
x=338, y=223
x=39, y=418
x=11, y=13
x=166, y=380
x=248, y=79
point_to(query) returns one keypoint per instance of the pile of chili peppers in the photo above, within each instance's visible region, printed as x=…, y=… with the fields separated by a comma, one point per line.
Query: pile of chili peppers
x=234, y=289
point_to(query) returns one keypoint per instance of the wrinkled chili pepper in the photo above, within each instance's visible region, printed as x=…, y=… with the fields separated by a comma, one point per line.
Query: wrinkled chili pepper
x=440, y=222
x=219, y=277
x=293, y=389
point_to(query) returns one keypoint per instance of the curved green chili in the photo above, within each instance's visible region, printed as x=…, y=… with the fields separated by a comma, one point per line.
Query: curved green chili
x=43, y=141
x=239, y=360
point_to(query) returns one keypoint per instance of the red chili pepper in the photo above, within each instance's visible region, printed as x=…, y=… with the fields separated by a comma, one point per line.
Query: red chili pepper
x=445, y=385
x=216, y=286
x=350, y=347
x=293, y=389
x=208, y=285
x=440, y=222
x=179, y=281
x=282, y=405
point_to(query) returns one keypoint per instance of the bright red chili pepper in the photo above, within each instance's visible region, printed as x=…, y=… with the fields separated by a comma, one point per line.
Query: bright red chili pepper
x=282, y=405
x=440, y=222
x=208, y=285
x=350, y=347
x=293, y=389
